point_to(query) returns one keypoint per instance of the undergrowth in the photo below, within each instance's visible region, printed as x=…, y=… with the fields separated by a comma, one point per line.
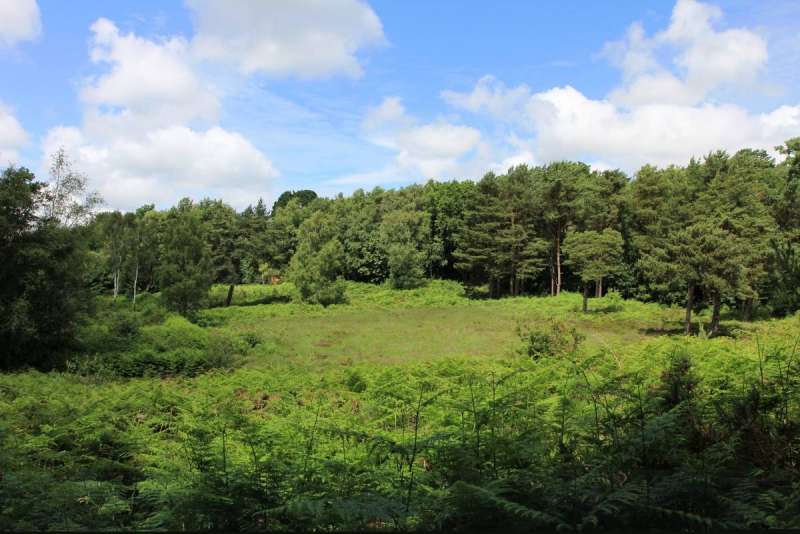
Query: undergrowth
x=558, y=432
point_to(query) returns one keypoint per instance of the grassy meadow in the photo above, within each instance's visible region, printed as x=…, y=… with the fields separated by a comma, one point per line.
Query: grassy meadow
x=414, y=409
x=382, y=326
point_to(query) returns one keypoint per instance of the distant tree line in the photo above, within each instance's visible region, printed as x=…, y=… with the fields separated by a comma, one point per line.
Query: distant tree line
x=722, y=230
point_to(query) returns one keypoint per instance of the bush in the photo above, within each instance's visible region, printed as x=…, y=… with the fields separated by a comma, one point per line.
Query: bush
x=110, y=332
x=121, y=347
x=175, y=333
x=354, y=381
x=552, y=339
x=678, y=381
x=613, y=301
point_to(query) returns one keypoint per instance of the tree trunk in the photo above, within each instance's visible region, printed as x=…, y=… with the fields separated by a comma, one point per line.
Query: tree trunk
x=747, y=311
x=558, y=263
x=687, y=323
x=585, y=298
x=714, y=326
x=135, y=283
x=598, y=288
x=116, y=284
x=230, y=296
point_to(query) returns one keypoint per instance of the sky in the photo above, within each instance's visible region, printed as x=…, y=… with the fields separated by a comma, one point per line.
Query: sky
x=241, y=99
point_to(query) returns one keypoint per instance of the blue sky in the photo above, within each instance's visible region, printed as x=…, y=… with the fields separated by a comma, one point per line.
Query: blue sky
x=241, y=99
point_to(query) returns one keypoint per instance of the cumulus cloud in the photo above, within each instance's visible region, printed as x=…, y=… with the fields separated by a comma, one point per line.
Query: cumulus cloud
x=165, y=163
x=570, y=125
x=12, y=137
x=422, y=150
x=439, y=149
x=704, y=58
x=148, y=130
x=303, y=38
x=20, y=20
x=147, y=82
x=491, y=96
x=660, y=113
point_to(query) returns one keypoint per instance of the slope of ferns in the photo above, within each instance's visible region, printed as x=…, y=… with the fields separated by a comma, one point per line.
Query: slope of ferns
x=565, y=440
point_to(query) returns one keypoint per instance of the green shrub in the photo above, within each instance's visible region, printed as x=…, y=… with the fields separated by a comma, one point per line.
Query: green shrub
x=223, y=351
x=612, y=302
x=111, y=332
x=175, y=333
x=355, y=381
x=552, y=339
x=120, y=347
x=678, y=381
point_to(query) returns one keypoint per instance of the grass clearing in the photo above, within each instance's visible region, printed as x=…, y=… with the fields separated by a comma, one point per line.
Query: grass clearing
x=388, y=327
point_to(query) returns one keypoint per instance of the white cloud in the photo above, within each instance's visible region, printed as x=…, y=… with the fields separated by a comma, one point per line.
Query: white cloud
x=20, y=20
x=570, y=125
x=148, y=82
x=12, y=137
x=435, y=149
x=661, y=114
x=166, y=164
x=148, y=130
x=429, y=150
x=304, y=38
x=704, y=59
x=390, y=113
x=491, y=96
x=523, y=158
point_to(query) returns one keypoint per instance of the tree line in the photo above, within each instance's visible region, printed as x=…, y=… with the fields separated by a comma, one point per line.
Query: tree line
x=722, y=230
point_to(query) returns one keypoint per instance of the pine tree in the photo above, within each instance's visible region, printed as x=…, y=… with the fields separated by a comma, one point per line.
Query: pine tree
x=483, y=219
x=593, y=256
x=556, y=190
x=253, y=240
x=659, y=204
x=736, y=197
x=787, y=210
x=707, y=256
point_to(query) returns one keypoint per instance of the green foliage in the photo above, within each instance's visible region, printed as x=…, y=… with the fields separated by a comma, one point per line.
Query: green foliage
x=149, y=342
x=185, y=269
x=784, y=280
x=683, y=434
x=267, y=272
x=316, y=266
x=355, y=381
x=678, y=382
x=221, y=231
x=304, y=197
x=498, y=241
x=358, y=221
x=413, y=409
x=594, y=255
x=553, y=339
x=672, y=235
x=404, y=235
x=42, y=286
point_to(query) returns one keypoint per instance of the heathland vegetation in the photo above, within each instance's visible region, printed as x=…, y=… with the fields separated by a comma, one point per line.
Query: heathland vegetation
x=554, y=347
